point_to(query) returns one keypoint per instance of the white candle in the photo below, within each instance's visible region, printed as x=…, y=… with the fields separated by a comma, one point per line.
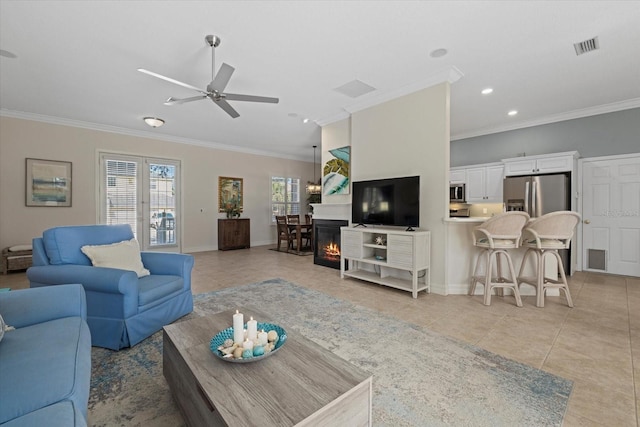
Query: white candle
x=263, y=337
x=238, y=328
x=247, y=345
x=252, y=329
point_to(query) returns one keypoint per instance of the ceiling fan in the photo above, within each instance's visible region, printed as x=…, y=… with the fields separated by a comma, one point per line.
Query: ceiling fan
x=215, y=89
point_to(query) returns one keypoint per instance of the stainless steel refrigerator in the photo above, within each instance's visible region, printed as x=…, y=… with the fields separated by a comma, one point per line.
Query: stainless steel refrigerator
x=538, y=195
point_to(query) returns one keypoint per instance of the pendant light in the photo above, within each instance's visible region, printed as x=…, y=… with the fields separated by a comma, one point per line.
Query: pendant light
x=313, y=188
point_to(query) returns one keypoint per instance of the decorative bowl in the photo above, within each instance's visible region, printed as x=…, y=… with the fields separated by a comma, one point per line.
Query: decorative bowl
x=225, y=334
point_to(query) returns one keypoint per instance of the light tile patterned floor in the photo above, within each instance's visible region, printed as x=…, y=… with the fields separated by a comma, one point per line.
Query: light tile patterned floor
x=596, y=344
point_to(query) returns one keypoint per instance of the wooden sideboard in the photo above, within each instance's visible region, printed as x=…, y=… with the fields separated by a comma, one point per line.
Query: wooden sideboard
x=233, y=234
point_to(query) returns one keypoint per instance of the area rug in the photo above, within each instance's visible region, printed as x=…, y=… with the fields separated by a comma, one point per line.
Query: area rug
x=304, y=252
x=420, y=378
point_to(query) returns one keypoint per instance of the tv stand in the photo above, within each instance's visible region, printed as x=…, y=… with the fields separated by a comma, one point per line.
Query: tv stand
x=410, y=229
x=394, y=258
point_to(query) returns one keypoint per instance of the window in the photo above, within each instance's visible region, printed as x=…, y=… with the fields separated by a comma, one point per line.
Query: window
x=121, y=204
x=285, y=196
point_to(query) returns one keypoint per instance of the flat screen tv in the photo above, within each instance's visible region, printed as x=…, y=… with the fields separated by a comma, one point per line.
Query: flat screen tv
x=391, y=201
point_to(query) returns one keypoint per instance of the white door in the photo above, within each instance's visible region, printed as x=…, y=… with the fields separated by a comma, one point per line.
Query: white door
x=144, y=193
x=611, y=215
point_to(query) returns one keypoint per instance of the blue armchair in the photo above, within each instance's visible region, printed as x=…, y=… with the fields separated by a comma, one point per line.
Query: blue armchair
x=122, y=309
x=45, y=363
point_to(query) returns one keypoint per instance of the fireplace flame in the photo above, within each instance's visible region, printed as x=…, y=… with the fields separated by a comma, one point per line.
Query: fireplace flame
x=332, y=250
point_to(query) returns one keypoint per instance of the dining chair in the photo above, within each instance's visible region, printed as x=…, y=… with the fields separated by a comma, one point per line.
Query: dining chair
x=293, y=219
x=307, y=232
x=283, y=232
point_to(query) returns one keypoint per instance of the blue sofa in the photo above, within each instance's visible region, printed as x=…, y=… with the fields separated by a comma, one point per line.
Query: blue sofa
x=122, y=309
x=45, y=363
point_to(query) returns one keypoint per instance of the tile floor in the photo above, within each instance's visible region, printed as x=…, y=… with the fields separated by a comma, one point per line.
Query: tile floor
x=596, y=344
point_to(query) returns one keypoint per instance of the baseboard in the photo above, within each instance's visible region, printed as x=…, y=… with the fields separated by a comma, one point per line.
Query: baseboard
x=199, y=249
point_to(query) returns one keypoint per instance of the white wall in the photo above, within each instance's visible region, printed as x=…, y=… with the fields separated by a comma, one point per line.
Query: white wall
x=410, y=136
x=20, y=139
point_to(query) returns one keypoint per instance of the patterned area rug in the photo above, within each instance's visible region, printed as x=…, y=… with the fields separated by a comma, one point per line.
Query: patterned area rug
x=420, y=378
x=303, y=252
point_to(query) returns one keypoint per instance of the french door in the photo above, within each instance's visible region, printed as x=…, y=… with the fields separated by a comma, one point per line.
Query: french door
x=143, y=192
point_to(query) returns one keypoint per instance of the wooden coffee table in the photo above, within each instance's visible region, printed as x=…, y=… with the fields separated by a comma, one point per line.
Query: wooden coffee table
x=302, y=384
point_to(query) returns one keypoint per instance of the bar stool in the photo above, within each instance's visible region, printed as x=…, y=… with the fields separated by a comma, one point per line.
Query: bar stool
x=496, y=236
x=544, y=236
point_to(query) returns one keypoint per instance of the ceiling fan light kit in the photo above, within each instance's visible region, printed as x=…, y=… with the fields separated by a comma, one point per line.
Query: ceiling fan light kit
x=215, y=89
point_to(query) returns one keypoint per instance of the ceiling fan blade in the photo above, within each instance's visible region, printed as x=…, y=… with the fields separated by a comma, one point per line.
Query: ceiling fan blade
x=175, y=101
x=226, y=107
x=251, y=98
x=170, y=80
x=221, y=79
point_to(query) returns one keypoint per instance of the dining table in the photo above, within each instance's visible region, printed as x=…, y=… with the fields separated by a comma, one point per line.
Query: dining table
x=299, y=229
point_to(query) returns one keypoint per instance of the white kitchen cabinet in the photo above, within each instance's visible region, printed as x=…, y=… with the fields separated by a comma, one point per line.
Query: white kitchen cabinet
x=395, y=258
x=457, y=175
x=547, y=163
x=484, y=183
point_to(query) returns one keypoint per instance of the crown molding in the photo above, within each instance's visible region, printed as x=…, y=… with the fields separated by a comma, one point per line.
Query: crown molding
x=334, y=118
x=451, y=75
x=561, y=117
x=156, y=135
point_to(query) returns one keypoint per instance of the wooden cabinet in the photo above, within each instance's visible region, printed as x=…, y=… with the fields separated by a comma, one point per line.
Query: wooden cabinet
x=457, y=175
x=547, y=163
x=399, y=259
x=484, y=184
x=234, y=234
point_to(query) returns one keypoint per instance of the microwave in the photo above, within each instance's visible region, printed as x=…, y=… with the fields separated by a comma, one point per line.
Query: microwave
x=457, y=193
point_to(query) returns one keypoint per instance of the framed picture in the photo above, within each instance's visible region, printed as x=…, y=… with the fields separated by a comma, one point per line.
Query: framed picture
x=335, y=178
x=229, y=194
x=48, y=183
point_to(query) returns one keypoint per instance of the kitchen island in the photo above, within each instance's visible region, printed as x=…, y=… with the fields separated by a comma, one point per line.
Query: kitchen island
x=461, y=259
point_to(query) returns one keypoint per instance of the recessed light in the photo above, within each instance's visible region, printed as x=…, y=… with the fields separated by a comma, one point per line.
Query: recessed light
x=154, y=122
x=487, y=91
x=512, y=112
x=305, y=120
x=438, y=53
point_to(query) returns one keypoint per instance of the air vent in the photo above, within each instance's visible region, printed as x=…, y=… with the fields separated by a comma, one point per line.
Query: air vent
x=586, y=46
x=355, y=89
x=597, y=259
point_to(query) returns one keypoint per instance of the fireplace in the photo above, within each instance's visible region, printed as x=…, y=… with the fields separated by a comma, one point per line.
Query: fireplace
x=326, y=249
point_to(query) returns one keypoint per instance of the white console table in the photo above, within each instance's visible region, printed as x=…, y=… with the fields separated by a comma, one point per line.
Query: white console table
x=399, y=259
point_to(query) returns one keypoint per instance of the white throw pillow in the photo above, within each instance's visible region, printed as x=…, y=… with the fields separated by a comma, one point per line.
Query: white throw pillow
x=124, y=255
x=18, y=248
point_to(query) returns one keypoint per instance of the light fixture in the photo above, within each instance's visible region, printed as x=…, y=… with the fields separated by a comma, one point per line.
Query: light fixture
x=312, y=187
x=438, y=53
x=154, y=122
x=487, y=91
x=512, y=112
